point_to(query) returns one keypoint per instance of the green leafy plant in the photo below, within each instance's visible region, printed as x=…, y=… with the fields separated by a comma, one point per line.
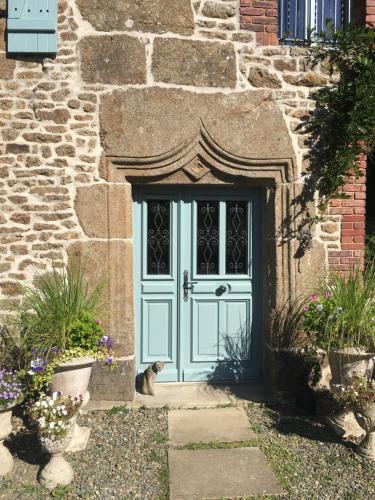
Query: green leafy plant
x=342, y=313
x=57, y=311
x=359, y=392
x=85, y=332
x=342, y=127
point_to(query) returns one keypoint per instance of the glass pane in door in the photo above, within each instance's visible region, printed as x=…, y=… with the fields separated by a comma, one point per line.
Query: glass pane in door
x=236, y=261
x=158, y=237
x=207, y=237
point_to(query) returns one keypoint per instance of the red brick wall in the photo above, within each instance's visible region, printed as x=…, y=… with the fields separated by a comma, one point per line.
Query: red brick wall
x=352, y=211
x=370, y=11
x=260, y=17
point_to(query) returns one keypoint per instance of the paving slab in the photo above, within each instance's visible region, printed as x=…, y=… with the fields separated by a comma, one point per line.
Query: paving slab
x=218, y=473
x=208, y=425
x=202, y=395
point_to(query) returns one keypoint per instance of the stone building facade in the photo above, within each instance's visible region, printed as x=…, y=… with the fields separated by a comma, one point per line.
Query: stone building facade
x=177, y=92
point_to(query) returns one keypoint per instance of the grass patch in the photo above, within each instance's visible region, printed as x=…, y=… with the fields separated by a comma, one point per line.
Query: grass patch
x=159, y=438
x=164, y=482
x=118, y=409
x=219, y=445
x=153, y=456
x=61, y=491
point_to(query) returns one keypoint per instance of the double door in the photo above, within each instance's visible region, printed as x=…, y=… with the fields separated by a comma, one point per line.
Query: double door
x=197, y=264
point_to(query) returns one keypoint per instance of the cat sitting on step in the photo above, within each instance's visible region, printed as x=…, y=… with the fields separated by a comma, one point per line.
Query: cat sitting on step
x=146, y=380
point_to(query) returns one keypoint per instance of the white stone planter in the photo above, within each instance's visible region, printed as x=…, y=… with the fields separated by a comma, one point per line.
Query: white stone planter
x=348, y=362
x=344, y=364
x=72, y=377
x=58, y=470
x=366, y=419
x=6, y=459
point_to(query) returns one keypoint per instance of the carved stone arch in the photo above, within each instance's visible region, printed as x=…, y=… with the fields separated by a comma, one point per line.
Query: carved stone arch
x=169, y=136
x=242, y=135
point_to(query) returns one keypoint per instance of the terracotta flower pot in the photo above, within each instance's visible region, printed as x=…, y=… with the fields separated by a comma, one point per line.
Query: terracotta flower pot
x=58, y=470
x=72, y=377
x=366, y=419
x=6, y=459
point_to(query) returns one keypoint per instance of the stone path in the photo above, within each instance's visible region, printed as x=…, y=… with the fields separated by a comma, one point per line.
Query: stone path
x=211, y=472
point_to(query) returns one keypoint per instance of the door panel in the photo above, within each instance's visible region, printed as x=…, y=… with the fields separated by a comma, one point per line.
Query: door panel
x=197, y=285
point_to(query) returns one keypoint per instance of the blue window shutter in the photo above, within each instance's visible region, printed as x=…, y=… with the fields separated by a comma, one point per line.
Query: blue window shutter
x=338, y=11
x=298, y=17
x=292, y=19
x=32, y=26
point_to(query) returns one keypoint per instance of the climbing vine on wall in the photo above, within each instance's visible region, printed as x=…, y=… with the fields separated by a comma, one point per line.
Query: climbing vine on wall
x=342, y=127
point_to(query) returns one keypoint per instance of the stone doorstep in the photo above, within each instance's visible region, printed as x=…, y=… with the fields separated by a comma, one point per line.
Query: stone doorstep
x=218, y=473
x=208, y=425
x=193, y=395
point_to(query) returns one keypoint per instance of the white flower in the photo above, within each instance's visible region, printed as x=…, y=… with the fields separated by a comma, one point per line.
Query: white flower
x=37, y=404
x=64, y=412
x=30, y=372
x=51, y=425
x=319, y=307
x=55, y=395
x=50, y=402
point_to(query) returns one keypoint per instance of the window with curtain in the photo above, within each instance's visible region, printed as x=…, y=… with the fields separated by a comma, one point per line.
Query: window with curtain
x=298, y=18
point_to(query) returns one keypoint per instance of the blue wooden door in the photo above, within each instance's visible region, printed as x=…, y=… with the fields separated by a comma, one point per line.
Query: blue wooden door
x=197, y=267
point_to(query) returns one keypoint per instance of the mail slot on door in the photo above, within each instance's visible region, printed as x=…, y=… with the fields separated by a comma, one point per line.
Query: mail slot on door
x=32, y=26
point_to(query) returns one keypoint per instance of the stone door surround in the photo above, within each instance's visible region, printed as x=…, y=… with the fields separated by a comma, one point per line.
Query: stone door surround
x=169, y=136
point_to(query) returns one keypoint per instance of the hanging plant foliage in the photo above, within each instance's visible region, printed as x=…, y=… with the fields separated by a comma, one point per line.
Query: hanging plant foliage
x=342, y=126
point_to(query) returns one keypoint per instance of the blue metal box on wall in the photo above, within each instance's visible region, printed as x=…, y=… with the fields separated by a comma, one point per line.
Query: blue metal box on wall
x=32, y=26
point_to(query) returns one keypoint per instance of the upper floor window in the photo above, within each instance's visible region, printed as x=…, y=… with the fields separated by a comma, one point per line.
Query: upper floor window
x=299, y=18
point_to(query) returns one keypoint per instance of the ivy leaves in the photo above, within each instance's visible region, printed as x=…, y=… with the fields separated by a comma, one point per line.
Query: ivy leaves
x=342, y=127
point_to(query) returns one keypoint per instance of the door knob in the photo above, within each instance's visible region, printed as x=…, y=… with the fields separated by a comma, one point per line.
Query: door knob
x=222, y=289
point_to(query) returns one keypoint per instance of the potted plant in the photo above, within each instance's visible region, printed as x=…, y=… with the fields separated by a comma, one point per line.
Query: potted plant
x=54, y=418
x=10, y=396
x=358, y=395
x=300, y=369
x=58, y=325
x=340, y=318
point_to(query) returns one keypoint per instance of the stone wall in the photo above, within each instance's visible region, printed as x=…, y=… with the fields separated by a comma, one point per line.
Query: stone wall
x=53, y=190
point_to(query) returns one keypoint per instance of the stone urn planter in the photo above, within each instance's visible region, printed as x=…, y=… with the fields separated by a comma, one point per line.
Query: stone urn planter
x=366, y=419
x=344, y=364
x=6, y=459
x=347, y=362
x=72, y=377
x=58, y=471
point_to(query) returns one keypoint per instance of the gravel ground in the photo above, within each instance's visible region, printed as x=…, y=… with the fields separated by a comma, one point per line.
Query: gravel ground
x=126, y=458
x=308, y=459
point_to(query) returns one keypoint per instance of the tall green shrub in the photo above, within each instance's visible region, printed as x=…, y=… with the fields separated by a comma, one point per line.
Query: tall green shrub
x=50, y=310
x=342, y=313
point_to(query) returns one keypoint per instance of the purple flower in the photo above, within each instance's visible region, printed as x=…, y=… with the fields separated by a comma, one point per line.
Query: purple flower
x=306, y=307
x=38, y=364
x=109, y=360
x=98, y=321
x=327, y=294
x=313, y=297
x=107, y=342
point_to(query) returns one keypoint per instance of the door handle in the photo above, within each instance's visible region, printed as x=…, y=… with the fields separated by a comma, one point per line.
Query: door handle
x=187, y=285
